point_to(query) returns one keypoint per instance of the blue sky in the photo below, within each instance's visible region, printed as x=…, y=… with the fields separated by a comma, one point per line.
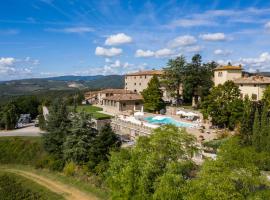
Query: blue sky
x=40, y=38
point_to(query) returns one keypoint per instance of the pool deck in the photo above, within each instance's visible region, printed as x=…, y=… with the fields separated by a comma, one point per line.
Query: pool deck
x=209, y=134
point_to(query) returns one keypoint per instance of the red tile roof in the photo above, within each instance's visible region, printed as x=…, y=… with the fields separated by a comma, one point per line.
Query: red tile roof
x=125, y=97
x=228, y=67
x=148, y=72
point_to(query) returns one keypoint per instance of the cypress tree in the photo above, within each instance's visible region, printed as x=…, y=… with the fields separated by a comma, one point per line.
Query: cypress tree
x=152, y=96
x=264, y=129
x=246, y=123
x=256, y=131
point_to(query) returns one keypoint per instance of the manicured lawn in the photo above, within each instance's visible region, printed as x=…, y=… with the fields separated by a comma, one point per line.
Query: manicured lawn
x=93, y=110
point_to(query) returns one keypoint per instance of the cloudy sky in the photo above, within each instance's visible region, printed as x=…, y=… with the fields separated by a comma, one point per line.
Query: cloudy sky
x=41, y=38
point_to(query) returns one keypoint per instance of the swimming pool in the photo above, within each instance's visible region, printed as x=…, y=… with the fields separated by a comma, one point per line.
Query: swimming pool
x=167, y=120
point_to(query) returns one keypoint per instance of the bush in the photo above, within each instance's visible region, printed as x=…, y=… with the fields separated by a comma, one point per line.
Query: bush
x=56, y=165
x=70, y=169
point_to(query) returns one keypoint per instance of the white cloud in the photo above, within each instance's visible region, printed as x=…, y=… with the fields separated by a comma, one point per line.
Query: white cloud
x=222, y=52
x=262, y=62
x=161, y=53
x=16, y=68
x=145, y=54
x=82, y=29
x=6, y=65
x=267, y=25
x=213, y=37
x=117, y=39
x=182, y=41
x=100, y=51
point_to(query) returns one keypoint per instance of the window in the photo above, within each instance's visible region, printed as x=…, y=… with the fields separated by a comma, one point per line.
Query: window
x=219, y=74
x=145, y=76
x=254, y=97
x=124, y=104
x=126, y=83
x=135, y=90
x=140, y=76
x=137, y=103
x=134, y=77
x=134, y=83
x=255, y=85
x=140, y=84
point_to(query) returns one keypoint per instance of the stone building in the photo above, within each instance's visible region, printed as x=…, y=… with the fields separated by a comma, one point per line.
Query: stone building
x=252, y=86
x=122, y=103
x=138, y=81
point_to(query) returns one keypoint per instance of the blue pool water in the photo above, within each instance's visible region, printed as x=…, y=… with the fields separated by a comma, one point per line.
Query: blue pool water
x=168, y=120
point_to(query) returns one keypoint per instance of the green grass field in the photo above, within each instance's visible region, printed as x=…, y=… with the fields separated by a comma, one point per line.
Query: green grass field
x=93, y=110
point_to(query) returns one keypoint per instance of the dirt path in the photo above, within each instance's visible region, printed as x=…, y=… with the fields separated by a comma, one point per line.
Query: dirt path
x=68, y=192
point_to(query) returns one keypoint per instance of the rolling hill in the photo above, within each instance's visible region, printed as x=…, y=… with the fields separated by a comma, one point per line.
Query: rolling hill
x=37, y=85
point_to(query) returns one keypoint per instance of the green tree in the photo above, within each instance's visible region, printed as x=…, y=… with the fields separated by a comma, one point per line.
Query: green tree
x=247, y=122
x=58, y=125
x=256, y=131
x=104, y=142
x=233, y=175
x=80, y=139
x=224, y=105
x=264, y=132
x=173, y=77
x=10, y=116
x=152, y=96
x=266, y=96
x=139, y=172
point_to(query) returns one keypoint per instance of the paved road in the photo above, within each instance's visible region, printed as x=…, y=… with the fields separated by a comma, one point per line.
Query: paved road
x=30, y=130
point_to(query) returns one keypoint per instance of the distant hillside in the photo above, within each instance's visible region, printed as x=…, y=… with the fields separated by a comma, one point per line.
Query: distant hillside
x=34, y=86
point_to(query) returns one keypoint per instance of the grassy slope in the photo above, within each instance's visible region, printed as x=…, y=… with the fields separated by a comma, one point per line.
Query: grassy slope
x=68, y=180
x=35, y=188
x=20, y=150
x=17, y=152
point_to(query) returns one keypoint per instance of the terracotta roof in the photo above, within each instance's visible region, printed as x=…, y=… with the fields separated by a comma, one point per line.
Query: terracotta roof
x=260, y=80
x=116, y=91
x=228, y=67
x=148, y=72
x=125, y=97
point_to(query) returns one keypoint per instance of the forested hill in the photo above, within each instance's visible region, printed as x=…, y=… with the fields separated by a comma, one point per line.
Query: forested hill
x=30, y=86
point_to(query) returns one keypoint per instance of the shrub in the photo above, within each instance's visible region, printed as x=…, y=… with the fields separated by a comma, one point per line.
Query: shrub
x=70, y=169
x=56, y=165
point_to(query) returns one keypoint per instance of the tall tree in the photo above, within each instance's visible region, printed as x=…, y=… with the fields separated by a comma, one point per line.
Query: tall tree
x=193, y=78
x=10, y=116
x=256, y=132
x=80, y=139
x=174, y=76
x=58, y=125
x=152, y=96
x=247, y=122
x=103, y=143
x=264, y=129
x=224, y=105
x=266, y=97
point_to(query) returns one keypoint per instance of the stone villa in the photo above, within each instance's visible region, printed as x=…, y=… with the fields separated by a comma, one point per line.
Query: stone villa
x=252, y=86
